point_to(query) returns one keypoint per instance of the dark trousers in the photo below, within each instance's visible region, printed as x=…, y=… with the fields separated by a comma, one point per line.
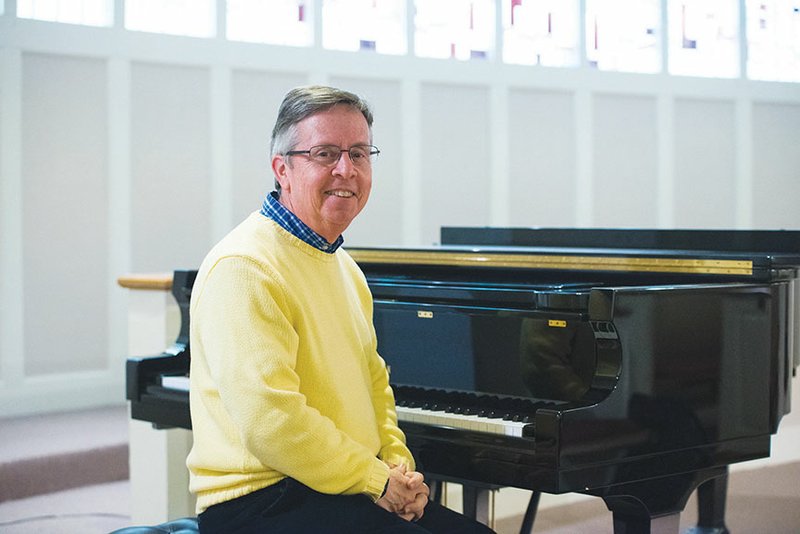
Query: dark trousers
x=289, y=507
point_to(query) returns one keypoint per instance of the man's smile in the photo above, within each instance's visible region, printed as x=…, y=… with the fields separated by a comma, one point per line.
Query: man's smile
x=340, y=193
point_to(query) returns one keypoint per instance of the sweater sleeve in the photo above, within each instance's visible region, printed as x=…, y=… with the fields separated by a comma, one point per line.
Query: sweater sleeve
x=244, y=323
x=393, y=441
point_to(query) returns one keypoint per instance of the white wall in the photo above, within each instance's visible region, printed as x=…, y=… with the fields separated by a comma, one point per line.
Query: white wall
x=129, y=152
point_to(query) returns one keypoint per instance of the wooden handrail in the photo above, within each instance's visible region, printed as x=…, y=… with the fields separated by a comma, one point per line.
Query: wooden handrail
x=154, y=281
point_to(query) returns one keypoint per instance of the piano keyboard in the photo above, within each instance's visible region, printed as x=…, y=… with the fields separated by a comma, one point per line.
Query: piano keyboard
x=480, y=412
x=410, y=414
x=462, y=421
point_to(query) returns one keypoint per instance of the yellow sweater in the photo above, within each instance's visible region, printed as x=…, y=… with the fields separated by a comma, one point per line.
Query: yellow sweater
x=285, y=376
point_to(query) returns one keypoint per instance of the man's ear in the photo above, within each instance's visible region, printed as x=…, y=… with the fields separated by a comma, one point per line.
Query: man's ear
x=279, y=168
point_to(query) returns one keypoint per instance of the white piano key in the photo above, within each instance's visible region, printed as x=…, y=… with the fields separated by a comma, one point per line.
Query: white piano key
x=179, y=382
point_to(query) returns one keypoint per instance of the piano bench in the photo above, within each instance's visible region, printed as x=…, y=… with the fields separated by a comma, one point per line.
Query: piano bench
x=184, y=525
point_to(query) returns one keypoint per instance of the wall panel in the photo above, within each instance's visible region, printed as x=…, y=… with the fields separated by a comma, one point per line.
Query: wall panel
x=776, y=165
x=542, y=168
x=381, y=221
x=65, y=219
x=705, y=164
x=255, y=96
x=170, y=167
x=624, y=161
x=455, y=158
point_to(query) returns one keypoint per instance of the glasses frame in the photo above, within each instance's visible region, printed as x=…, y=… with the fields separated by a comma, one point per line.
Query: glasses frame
x=372, y=152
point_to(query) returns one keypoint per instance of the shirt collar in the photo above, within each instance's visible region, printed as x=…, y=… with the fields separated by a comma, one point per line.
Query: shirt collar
x=273, y=209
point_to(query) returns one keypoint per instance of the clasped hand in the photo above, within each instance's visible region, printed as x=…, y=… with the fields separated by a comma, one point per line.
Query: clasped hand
x=406, y=494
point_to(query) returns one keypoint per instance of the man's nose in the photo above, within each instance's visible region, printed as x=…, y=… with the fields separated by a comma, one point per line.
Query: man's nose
x=345, y=165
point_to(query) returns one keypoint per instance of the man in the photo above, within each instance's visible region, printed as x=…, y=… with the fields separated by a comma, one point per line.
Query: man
x=294, y=421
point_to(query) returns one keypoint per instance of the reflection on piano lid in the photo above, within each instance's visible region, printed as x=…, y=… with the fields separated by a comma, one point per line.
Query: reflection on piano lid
x=632, y=365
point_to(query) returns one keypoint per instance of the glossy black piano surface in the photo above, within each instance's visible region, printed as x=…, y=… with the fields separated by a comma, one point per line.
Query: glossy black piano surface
x=609, y=362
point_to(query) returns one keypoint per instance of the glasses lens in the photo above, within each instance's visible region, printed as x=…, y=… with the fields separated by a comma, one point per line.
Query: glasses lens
x=325, y=154
x=360, y=155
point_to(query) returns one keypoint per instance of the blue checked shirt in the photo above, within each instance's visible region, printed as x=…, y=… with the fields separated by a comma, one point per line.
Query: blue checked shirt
x=287, y=220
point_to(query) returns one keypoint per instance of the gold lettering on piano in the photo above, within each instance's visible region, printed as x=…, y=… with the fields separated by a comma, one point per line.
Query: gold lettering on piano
x=557, y=323
x=425, y=314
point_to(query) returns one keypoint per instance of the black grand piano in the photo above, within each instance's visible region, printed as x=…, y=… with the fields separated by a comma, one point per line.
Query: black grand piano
x=632, y=365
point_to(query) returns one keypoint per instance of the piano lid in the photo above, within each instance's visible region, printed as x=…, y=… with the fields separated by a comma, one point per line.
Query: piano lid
x=785, y=242
x=782, y=246
x=730, y=253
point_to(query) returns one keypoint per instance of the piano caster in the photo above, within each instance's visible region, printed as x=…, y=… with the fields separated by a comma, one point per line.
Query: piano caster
x=707, y=530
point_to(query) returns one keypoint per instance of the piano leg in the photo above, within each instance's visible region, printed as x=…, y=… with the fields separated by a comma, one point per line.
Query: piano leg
x=437, y=489
x=653, y=506
x=530, y=514
x=711, y=497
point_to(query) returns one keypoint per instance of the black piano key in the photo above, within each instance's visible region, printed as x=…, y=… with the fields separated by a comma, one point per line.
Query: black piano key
x=512, y=409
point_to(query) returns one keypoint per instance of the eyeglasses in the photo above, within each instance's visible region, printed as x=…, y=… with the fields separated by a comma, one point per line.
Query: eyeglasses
x=328, y=155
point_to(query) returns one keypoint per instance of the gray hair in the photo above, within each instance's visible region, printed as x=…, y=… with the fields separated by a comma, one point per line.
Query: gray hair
x=302, y=102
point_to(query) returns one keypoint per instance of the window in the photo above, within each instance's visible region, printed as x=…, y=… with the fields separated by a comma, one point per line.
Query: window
x=773, y=40
x=541, y=32
x=623, y=35
x=196, y=18
x=460, y=29
x=281, y=22
x=378, y=25
x=87, y=12
x=704, y=38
